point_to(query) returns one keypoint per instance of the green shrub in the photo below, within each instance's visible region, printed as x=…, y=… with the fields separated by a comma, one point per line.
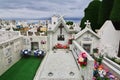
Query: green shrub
x=69, y=23
x=117, y=61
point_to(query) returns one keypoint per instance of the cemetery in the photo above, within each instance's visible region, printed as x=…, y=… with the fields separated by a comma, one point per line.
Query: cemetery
x=62, y=54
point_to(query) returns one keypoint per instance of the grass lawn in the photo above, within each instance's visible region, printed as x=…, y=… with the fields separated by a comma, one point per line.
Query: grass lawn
x=24, y=69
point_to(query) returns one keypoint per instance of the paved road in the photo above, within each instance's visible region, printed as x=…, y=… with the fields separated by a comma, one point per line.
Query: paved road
x=60, y=65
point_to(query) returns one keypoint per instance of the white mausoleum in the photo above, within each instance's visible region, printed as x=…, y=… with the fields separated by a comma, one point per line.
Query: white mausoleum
x=110, y=40
x=87, y=38
x=59, y=32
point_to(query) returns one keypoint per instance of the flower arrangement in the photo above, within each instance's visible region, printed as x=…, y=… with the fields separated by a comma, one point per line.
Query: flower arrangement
x=43, y=42
x=102, y=73
x=61, y=46
x=82, y=59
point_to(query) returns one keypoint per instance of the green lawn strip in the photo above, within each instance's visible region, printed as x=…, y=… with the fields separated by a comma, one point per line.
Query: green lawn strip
x=24, y=69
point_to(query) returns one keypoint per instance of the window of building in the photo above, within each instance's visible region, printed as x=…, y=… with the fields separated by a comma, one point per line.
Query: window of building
x=61, y=38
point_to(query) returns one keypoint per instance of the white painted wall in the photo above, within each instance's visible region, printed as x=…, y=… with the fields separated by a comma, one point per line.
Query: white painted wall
x=54, y=19
x=109, y=41
x=86, y=72
x=27, y=42
x=10, y=53
x=6, y=35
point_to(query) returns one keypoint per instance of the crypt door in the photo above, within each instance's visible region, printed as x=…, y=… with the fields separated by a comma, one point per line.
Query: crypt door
x=87, y=48
x=34, y=45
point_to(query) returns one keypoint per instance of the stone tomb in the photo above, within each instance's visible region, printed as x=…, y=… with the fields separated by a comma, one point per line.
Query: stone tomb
x=87, y=38
x=59, y=33
x=110, y=39
x=57, y=66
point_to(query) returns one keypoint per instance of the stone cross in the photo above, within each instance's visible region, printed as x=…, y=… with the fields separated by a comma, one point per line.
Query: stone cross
x=87, y=23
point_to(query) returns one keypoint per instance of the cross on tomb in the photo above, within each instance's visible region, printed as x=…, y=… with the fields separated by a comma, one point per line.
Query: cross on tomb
x=61, y=36
x=87, y=23
x=61, y=26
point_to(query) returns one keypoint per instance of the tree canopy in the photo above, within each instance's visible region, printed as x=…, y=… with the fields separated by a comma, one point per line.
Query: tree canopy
x=115, y=14
x=99, y=11
x=104, y=12
x=91, y=14
x=69, y=23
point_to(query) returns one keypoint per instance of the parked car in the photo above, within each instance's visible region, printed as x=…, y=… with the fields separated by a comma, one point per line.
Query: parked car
x=39, y=53
x=26, y=52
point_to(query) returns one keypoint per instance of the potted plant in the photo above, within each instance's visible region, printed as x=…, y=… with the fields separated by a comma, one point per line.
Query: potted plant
x=100, y=59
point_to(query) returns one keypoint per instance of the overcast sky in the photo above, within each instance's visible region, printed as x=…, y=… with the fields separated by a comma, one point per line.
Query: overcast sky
x=42, y=8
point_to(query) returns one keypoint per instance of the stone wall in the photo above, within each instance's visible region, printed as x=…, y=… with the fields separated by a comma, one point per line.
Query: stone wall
x=10, y=53
x=112, y=67
x=28, y=39
x=87, y=72
x=109, y=42
x=5, y=35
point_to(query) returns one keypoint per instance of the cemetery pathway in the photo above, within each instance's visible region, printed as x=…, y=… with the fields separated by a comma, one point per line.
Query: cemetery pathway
x=60, y=66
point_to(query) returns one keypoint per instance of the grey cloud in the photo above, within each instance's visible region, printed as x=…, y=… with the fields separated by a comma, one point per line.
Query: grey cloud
x=15, y=4
x=32, y=3
x=43, y=7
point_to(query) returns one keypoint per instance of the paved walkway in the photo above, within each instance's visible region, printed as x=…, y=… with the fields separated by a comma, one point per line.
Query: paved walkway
x=60, y=66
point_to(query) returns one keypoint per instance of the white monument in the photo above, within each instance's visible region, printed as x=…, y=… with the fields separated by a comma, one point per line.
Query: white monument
x=87, y=38
x=110, y=39
x=60, y=33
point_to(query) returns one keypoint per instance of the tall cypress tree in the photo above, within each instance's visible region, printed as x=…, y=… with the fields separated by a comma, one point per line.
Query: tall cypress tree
x=91, y=14
x=104, y=12
x=82, y=25
x=115, y=14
